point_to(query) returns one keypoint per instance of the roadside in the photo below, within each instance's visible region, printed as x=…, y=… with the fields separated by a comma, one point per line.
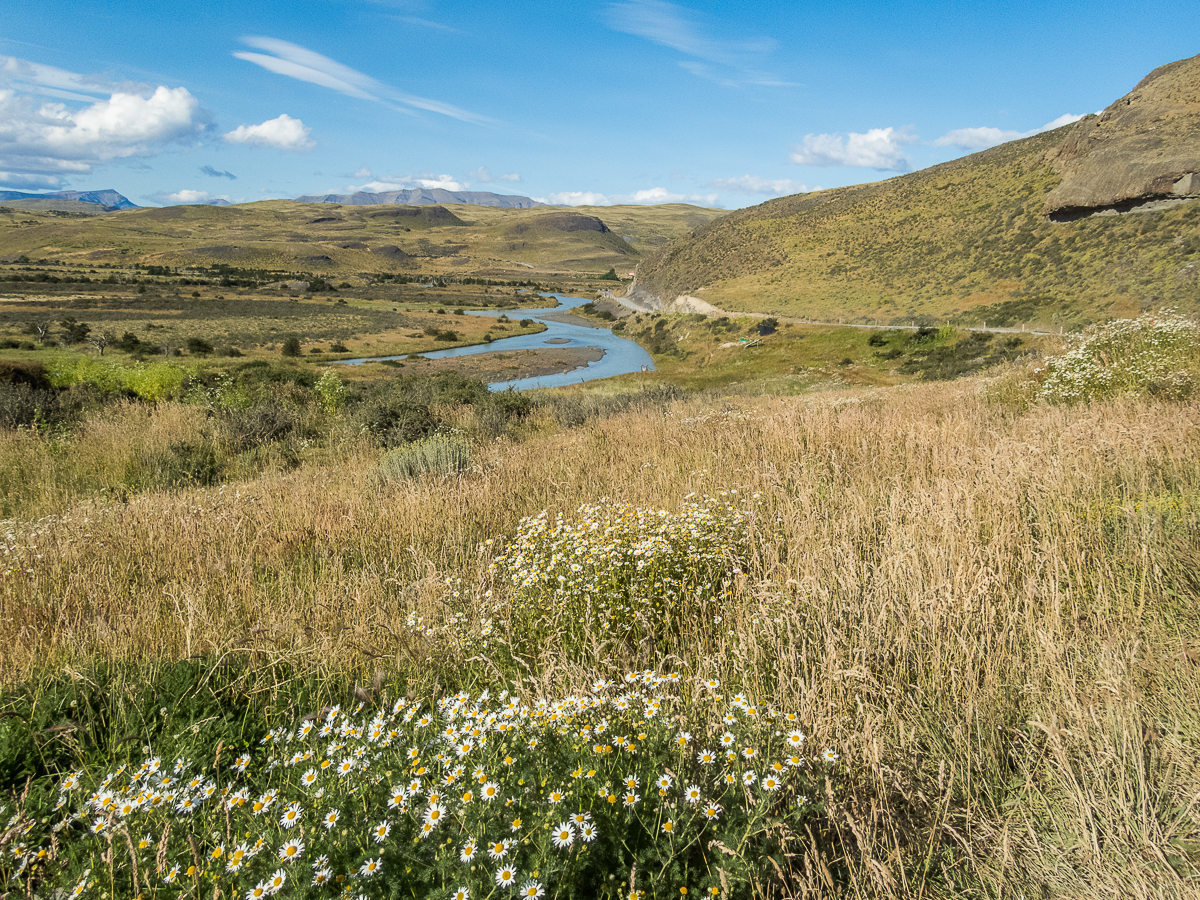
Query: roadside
x=694, y=306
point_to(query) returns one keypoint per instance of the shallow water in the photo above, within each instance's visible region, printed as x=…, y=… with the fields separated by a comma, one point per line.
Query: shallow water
x=620, y=355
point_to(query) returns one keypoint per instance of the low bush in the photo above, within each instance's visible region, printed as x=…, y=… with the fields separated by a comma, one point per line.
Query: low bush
x=440, y=454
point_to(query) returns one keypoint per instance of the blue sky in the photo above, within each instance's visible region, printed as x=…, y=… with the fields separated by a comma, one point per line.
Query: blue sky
x=615, y=101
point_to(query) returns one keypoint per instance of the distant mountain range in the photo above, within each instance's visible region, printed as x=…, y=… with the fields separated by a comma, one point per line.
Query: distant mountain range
x=109, y=199
x=425, y=196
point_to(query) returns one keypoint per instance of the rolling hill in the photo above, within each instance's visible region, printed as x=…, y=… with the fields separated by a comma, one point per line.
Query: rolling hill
x=1093, y=220
x=335, y=239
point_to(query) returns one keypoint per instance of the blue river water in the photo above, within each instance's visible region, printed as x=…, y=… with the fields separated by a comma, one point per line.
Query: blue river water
x=620, y=355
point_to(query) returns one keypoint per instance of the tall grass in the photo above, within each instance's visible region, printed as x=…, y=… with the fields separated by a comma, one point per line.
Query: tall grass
x=992, y=614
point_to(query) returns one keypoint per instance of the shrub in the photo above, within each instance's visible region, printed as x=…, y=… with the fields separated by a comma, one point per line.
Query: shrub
x=331, y=390
x=199, y=347
x=291, y=346
x=1157, y=354
x=244, y=429
x=440, y=454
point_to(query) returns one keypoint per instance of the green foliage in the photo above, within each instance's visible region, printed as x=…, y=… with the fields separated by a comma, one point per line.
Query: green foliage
x=74, y=331
x=1156, y=354
x=148, y=381
x=439, y=454
x=331, y=390
x=291, y=346
x=610, y=275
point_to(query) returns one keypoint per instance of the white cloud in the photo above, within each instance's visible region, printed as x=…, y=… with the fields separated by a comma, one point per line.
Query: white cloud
x=480, y=174
x=294, y=61
x=190, y=196
x=364, y=172
x=984, y=137
x=648, y=197
x=511, y=176
x=751, y=184
x=879, y=148
x=21, y=181
x=444, y=182
x=44, y=143
x=408, y=183
x=283, y=132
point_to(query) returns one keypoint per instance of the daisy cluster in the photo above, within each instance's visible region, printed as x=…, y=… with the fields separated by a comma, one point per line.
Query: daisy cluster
x=1127, y=356
x=469, y=796
x=618, y=568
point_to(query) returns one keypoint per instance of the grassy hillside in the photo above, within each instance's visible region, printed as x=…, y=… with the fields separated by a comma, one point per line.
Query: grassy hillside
x=331, y=239
x=966, y=240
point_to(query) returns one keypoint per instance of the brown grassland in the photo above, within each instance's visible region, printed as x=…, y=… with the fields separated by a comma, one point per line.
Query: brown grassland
x=989, y=608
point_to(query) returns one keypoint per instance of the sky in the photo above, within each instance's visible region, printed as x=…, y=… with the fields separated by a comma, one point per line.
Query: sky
x=574, y=103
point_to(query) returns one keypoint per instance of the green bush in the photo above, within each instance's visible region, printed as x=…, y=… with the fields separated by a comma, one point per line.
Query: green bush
x=291, y=346
x=440, y=454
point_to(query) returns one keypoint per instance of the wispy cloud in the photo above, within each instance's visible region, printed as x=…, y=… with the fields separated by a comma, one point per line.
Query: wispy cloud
x=214, y=173
x=878, y=148
x=35, y=78
x=283, y=133
x=648, y=197
x=426, y=23
x=982, y=138
x=721, y=59
x=294, y=61
x=751, y=184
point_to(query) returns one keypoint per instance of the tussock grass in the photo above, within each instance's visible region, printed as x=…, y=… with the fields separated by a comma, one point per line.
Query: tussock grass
x=992, y=614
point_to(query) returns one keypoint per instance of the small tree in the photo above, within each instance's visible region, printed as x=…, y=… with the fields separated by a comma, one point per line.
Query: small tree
x=199, y=347
x=75, y=331
x=100, y=341
x=291, y=346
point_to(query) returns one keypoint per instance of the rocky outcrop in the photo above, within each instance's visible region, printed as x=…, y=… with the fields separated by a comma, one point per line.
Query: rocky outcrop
x=1141, y=153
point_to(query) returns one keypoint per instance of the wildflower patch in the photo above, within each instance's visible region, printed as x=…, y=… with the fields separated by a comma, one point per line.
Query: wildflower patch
x=614, y=792
x=1157, y=353
x=621, y=571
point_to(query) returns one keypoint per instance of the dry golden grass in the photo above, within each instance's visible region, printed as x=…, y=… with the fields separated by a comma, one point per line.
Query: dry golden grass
x=991, y=615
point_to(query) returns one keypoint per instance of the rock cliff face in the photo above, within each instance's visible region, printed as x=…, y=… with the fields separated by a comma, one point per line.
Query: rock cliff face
x=1142, y=152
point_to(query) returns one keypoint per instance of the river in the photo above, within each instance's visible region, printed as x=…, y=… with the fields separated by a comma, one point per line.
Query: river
x=620, y=355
